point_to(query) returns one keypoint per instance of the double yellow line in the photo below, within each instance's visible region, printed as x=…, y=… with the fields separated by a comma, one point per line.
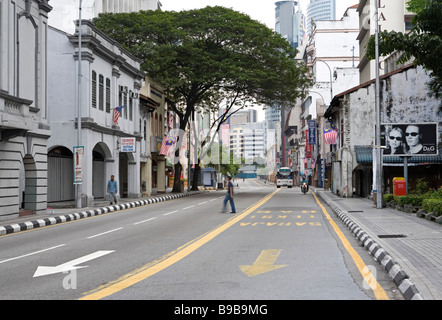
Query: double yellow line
x=171, y=258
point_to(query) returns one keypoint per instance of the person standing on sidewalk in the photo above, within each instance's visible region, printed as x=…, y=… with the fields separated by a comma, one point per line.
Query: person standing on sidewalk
x=112, y=189
x=229, y=196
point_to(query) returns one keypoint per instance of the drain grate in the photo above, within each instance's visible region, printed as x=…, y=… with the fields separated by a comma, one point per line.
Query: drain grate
x=355, y=211
x=392, y=236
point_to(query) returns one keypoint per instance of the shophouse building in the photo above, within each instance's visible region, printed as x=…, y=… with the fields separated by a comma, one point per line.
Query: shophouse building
x=110, y=78
x=24, y=127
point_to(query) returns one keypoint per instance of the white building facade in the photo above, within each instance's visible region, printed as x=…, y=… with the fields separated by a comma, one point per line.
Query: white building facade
x=404, y=100
x=24, y=128
x=111, y=78
x=393, y=16
x=332, y=54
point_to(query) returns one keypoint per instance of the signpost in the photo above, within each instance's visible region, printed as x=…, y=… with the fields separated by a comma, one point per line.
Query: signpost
x=128, y=145
x=78, y=165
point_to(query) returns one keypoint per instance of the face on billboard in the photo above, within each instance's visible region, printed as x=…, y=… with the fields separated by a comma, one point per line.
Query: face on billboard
x=410, y=139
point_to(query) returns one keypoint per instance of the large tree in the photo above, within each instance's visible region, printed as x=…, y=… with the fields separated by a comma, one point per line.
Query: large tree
x=198, y=55
x=423, y=43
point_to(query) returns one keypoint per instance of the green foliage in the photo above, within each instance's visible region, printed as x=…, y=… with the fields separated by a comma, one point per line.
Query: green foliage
x=196, y=54
x=421, y=186
x=433, y=205
x=388, y=197
x=424, y=42
x=205, y=56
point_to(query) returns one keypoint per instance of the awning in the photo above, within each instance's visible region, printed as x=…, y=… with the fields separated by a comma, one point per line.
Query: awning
x=364, y=155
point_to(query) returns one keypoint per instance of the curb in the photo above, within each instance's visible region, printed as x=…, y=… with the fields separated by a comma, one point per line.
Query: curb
x=38, y=223
x=394, y=270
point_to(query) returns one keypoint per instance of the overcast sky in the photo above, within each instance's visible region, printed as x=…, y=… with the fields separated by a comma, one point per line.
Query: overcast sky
x=66, y=11
x=261, y=10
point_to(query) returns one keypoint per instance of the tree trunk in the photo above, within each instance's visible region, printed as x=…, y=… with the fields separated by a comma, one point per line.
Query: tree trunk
x=177, y=179
x=196, y=176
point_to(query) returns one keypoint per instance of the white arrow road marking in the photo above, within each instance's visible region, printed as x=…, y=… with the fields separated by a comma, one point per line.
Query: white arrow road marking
x=71, y=265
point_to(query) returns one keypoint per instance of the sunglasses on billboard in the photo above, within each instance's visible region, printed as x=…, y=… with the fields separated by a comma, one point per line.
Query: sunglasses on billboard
x=397, y=138
x=413, y=134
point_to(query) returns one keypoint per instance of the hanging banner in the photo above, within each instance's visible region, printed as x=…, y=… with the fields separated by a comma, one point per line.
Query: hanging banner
x=311, y=132
x=78, y=165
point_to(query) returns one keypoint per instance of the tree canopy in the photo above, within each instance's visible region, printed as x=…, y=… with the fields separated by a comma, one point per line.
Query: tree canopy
x=200, y=56
x=424, y=42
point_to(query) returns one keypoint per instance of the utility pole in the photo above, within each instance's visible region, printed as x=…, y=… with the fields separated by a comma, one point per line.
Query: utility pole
x=378, y=115
x=78, y=185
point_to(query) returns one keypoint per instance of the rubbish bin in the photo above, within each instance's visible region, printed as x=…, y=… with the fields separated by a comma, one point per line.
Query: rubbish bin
x=326, y=184
x=399, y=187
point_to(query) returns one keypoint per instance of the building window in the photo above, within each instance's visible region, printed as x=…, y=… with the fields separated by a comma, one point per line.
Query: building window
x=101, y=92
x=145, y=129
x=124, y=102
x=108, y=95
x=130, y=108
x=94, y=89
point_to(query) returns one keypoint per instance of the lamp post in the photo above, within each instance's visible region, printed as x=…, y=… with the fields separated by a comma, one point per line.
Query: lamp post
x=78, y=185
x=331, y=79
x=378, y=115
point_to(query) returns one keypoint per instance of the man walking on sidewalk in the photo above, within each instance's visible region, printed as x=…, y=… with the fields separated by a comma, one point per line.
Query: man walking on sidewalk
x=112, y=189
x=229, y=196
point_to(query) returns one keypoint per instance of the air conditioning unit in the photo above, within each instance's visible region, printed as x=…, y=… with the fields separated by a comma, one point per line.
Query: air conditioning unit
x=133, y=95
x=123, y=89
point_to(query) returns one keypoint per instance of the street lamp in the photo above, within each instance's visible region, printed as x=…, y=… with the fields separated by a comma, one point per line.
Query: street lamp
x=331, y=79
x=78, y=185
x=378, y=115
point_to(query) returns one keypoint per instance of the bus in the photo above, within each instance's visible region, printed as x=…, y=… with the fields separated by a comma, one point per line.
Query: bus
x=284, y=177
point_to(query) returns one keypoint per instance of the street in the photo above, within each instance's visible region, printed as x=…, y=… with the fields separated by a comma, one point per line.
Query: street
x=281, y=245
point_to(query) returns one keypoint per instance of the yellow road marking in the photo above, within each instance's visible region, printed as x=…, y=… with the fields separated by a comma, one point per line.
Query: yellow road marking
x=264, y=263
x=166, y=261
x=378, y=291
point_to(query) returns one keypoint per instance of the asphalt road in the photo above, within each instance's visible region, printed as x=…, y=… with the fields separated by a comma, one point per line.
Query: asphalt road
x=281, y=245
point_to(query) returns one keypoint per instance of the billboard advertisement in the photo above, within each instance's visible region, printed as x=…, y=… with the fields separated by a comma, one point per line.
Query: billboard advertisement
x=409, y=139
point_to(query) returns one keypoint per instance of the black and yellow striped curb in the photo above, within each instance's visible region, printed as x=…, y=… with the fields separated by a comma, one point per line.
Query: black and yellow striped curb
x=38, y=223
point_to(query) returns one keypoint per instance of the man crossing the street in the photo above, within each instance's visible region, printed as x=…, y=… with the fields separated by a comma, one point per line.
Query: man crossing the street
x=112, y=189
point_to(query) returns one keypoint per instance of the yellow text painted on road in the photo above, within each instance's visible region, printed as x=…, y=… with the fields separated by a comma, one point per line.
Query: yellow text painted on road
x=280, y=224
x=279, y=216
x=378, y=291
x=263, y=264
x=171, y=258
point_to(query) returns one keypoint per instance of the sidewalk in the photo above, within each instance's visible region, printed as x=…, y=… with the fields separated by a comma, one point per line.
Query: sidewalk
x=408, y=247
x=64, y=212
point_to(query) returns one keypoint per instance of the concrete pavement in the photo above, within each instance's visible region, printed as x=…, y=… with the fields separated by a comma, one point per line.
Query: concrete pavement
x=408, y=247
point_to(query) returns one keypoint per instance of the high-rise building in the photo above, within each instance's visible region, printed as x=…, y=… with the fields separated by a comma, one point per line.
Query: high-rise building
x=320, y=10
x=104, y=6
x=290, y=22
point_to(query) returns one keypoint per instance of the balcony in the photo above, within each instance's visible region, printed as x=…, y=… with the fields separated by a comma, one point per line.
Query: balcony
x=14, y=115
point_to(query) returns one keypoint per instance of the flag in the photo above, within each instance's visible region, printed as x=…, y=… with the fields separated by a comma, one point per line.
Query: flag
x=330, y=136
x=225, y=134
x=117, y=113
x=167, y=143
